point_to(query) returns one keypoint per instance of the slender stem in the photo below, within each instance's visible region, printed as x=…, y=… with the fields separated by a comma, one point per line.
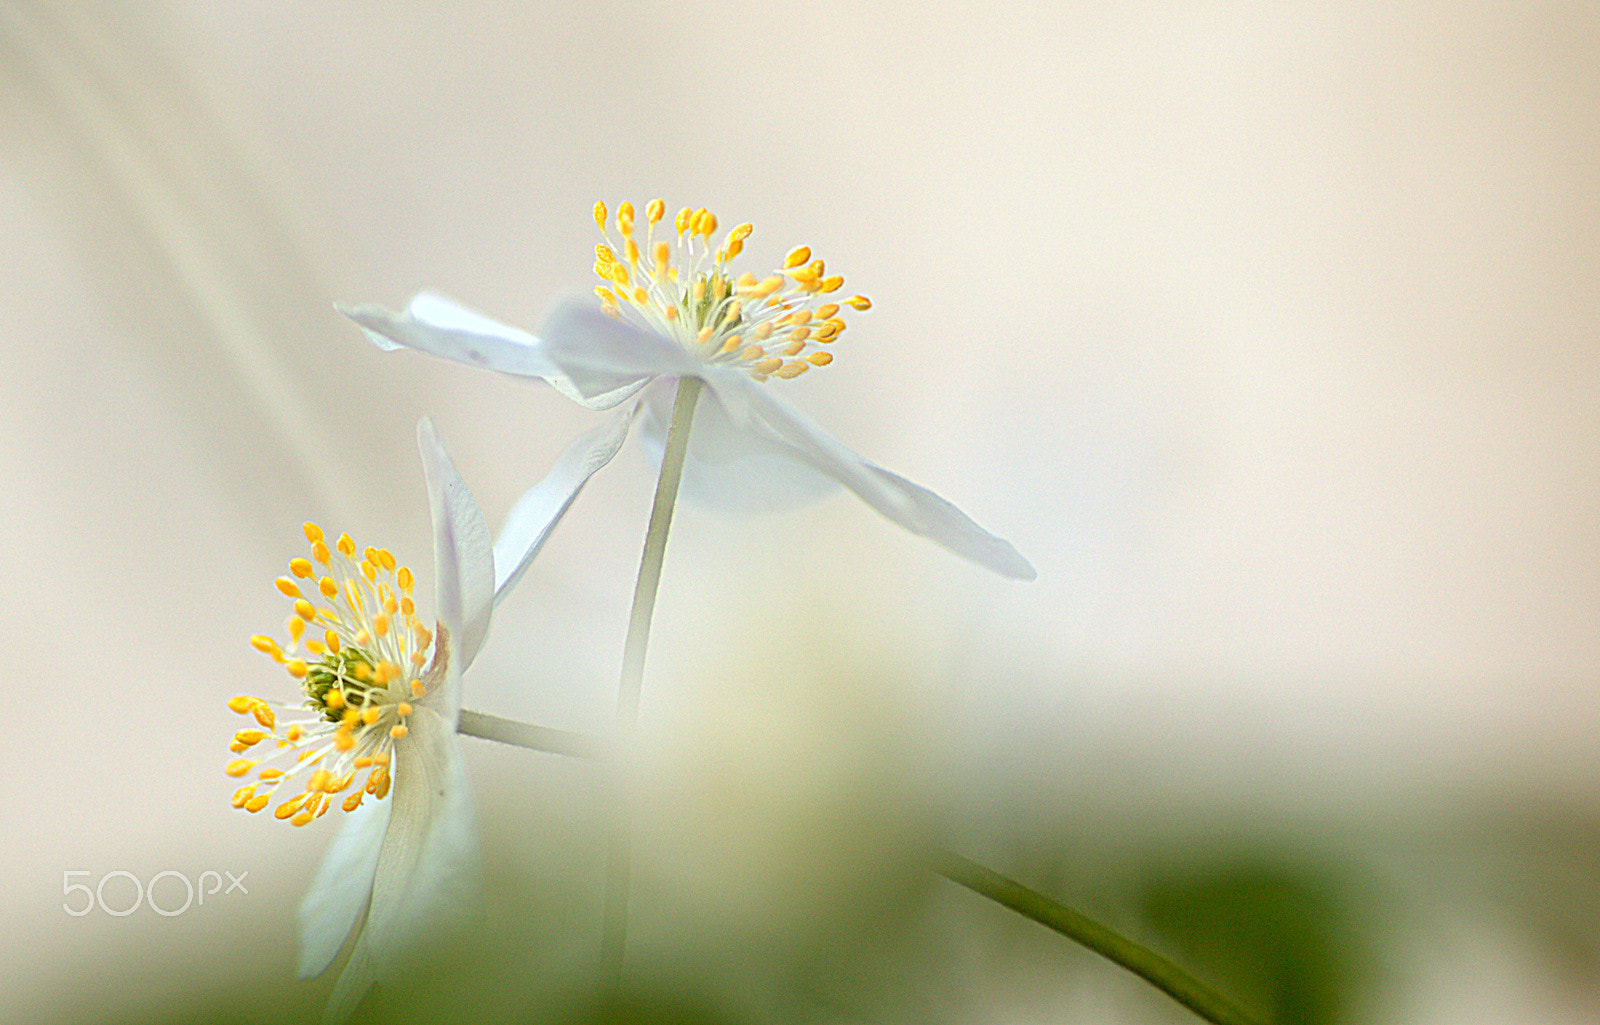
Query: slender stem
x=619, y=859
x=528, y=735
x=1136, y=958
x=655, y=549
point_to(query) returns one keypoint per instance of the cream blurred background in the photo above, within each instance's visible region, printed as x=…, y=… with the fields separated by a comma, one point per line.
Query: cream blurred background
x=1267, y=332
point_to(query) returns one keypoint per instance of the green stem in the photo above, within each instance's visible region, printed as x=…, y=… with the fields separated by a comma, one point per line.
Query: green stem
x=527, y=735
x=614, y=924
x=1136, y=958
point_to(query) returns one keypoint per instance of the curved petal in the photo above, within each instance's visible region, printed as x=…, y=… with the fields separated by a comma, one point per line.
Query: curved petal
x=541, y=507
x=439, y=326
x=912, y=506
x=427, y=863
x=338, y=896
x=593, y=349
x=463, y=552
x=730, y=468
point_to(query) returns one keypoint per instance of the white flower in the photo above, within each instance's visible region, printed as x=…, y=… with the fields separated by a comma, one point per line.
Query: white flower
x=376, y=738
x=672, y=308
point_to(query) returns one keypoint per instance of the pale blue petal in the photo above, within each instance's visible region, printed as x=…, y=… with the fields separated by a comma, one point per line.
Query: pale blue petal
x=912, y=506
x=463, y=553
x=541, y=507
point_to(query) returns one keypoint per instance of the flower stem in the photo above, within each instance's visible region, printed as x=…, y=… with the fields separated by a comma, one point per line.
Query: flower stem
x=528, y=735
x=619, y=869
x=1136, y=958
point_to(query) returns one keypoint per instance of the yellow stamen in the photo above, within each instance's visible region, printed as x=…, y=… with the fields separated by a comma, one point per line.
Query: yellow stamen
x=301, y=568
x=239, y=766
x=397, y=731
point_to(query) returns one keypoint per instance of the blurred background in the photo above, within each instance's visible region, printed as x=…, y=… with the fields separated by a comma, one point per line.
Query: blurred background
x=1267, y=332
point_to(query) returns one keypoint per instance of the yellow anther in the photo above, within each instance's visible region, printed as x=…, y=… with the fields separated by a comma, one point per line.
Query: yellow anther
x=353, y=802
x=827, y=310
x=319, y=551
x=382, y=758
x=290, y=806
x=297, y=731
x=397, y=731
x=791, y=370
x=343, y=741
x=797, y=256
x=604, y=294
x=304, y=610
x=820, y=359
x=672, y=313
x=768, y=366
x=732, y=344
x=600, y=216
x=404, y=578
x=408, y=607
x=346, y=547
x=312, y=531
x=243, y=795
x=798, y=317
x=248, y=738
x=332, y=640
x=301, y=568
x=296, y=627
x=264, y=644
x=799, y=334
x=418, y=690
x=706, y=223
x=380, y=625
x=361, y=670
x=763, y=331
x=625, y=213
x=832, y=283
x=362, y=762
x=383, y=788
x=403, y=708
x=370, y=554
x=730, y=249
x=328, y=588
x=663, y=255
x=239, y=766
x=271, y=775
x=751, y=353
x=603, y=254
x=297, y=668
x=859, y=302
x=287, y=587
x=243, y=702
x=741, y=232
x=257, y=802
x=369, y=571
x=302, y=819
x=703, y=336
x=793, y=348
x=633, y=252
x=387, y=671
x=371, y=716
x=640, y=295
x=333, y=699
x=604, y=271
x=390, y=606
x=618, y=273
x=768, y=286
x=318, y=780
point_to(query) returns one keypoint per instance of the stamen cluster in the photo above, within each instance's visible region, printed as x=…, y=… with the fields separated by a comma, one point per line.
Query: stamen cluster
x=772, y=326
x=359, y=678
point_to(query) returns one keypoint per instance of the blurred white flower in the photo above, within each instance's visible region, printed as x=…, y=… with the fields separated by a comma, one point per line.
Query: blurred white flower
x=376, y=703
x=672, y=309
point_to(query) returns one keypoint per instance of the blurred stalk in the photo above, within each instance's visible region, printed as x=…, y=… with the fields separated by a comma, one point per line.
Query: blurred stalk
x=1135, y=957
x=614, y=924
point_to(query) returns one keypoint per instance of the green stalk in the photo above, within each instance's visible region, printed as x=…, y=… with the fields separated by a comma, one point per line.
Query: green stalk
x=614, y=924
x=1135, y=957
x=529, y=736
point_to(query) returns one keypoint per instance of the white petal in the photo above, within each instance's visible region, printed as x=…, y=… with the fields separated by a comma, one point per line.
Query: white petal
x=441, y=327
x=463, y=552
x=730, y=467
x=338, y=896
x=593, y=349
x=541, y=507
x=910, y=505
x=426, y=874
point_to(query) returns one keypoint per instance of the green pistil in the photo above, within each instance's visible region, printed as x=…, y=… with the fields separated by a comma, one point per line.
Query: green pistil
x=351, y=672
